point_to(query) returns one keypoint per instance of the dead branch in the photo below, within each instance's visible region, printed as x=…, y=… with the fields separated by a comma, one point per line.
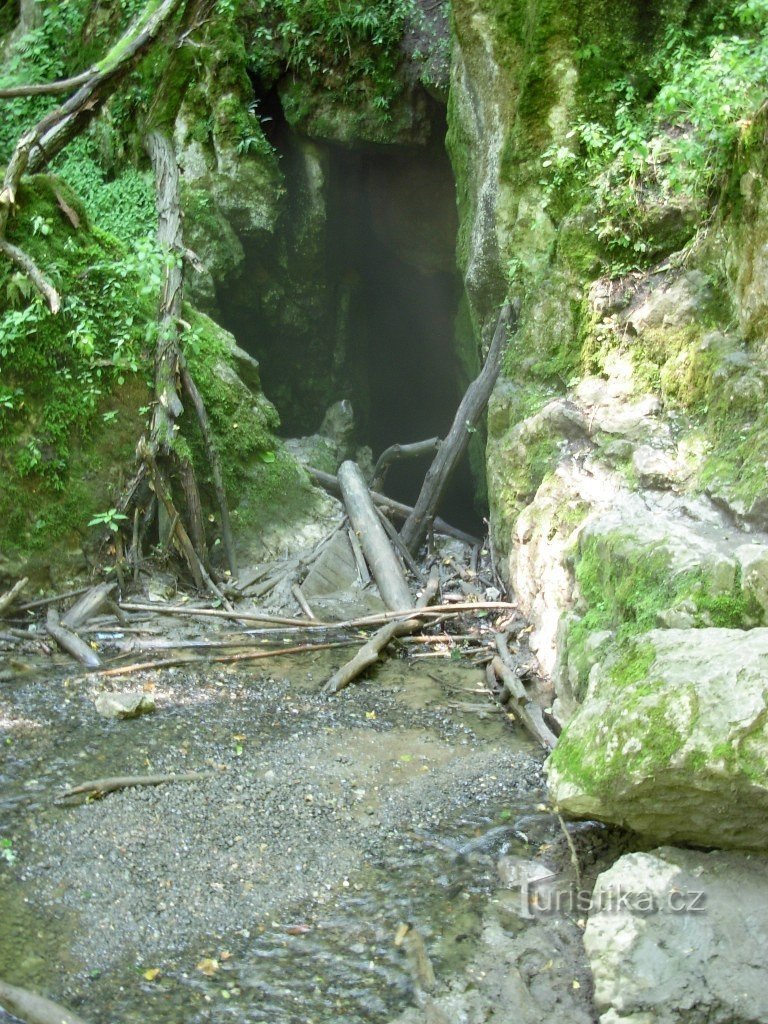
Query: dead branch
x=34, y=273
x=89, y=605
x=223, y=659
x=436, y=611
x=34, y=1009
x=526, y=709
x=370, y=652
x=71, y=642
x=100, y=787
x=455, y=444
x=331, y=483
x=52, y=132
x=384, y=564
x=9, y=597
x=48, y=88
x=400, y=451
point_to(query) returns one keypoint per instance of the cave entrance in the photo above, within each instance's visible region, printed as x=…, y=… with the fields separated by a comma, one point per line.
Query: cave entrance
x=358, y=299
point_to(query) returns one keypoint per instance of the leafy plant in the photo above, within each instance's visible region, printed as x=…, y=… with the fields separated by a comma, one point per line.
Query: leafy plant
x=111, y=519
x=7, y=853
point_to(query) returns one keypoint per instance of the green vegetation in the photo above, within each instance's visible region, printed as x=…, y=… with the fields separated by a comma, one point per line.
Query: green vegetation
x=667, y=133
x=623, y=587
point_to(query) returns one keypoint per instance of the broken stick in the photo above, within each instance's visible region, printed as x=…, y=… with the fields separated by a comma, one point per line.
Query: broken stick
x=100, y=787
x=457, y=439
x=71, y=642
x=7, y=599
x=370, y=652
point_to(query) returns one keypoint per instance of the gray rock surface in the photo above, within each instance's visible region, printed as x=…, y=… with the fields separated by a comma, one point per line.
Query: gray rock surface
x=124, y=705
x=672, y=739
x=691, y=959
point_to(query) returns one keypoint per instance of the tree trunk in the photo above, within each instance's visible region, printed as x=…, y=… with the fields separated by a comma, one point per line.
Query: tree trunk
x=383, y=561
x=455, y=444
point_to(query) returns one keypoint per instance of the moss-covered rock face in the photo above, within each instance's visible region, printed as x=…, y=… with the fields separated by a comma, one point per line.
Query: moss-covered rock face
x=673, y=740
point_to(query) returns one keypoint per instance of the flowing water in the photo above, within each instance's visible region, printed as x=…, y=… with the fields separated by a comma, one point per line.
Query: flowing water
x=275, y=889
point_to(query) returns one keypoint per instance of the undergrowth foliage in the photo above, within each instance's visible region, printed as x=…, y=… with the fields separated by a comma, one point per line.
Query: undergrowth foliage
x=666, y=134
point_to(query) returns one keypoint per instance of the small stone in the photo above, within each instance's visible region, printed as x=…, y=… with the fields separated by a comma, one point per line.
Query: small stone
x=124, y=705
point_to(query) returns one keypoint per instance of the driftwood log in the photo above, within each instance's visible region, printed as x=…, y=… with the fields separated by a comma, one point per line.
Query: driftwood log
x=331, y=483
x=384, y=563
x=9, y=597
x=370, y=652
x=71, y=642
x=34, y=1009
x=88, y=605
x=455, y=444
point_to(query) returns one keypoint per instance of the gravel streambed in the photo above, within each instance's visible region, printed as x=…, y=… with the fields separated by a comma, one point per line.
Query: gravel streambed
x=271, y=889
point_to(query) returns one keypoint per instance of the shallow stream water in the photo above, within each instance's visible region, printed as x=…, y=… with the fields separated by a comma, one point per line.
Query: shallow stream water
x=272, y=890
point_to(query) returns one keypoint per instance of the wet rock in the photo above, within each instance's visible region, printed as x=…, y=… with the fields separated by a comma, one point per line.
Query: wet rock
x=124, y=705
x=696, y=954
x=655, y=468
x=672, y=740
x=673, y=306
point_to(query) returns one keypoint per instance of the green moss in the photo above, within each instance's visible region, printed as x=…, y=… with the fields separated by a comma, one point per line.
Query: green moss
x=624, y=586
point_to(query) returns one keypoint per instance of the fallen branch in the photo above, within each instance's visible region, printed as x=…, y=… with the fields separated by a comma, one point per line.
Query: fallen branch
x=384, y=563
x=298, y=593
x=331, y=483
x=9, y=597
x=25, y=262
x=370, y=652
x=526, y=709
x=223, y=659
x=34, y=1009
x=400, y=451
x=89, y=605
x=71, y=642
x=100, y=787
x=455, y=444
x=367, y=620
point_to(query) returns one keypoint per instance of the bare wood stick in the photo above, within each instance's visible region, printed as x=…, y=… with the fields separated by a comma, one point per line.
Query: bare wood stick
x=71, y=642
x=398, y=545
x=100, y=787
x=331, y=483
x=370, y=652
x=9, y=597
x=136, y=546
x=88, y=605
x=400, y=451
x=34, y=1009
x=357, y=551
x=527, y=710
x=435, y=611
x=43, y=601
x=455, y=444
x=33, y=272
x=385, y=567
x=298, y=593
x=223, y=659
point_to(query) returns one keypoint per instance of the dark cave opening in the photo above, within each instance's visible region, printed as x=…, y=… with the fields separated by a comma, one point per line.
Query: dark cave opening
x=361, y=303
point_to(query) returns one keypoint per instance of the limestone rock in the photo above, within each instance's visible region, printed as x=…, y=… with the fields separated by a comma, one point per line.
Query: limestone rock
x=672, y=739
x=124, y=705
x=655, y=468
x=677, y=304
x=688, y=959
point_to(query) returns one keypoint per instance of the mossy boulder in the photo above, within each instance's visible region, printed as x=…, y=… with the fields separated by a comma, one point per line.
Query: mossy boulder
x=673, y=740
